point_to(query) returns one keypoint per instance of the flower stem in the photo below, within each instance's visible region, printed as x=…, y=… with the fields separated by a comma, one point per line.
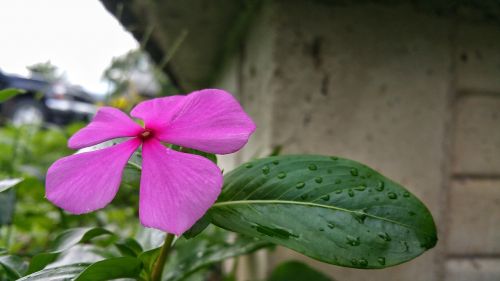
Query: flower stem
x=162, y=258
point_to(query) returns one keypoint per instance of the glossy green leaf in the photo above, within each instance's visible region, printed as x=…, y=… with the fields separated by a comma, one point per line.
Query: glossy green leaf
x=331, y=209
x=64, y=241
x=297, y=271
x=14, y=266
x=113, y=268
x=6, y=184
x=148, y=259
x=9, y=93
x=62, y=273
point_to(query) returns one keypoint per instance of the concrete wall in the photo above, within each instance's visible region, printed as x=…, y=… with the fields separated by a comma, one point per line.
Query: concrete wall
x=414, y=95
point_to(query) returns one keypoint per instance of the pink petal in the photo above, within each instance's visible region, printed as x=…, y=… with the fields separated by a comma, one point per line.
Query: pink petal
x=109, y=123
x=88, y=181
x=208, y=120
x=176, y=188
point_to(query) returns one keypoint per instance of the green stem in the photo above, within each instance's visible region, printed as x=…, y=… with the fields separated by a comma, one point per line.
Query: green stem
x=162, y=258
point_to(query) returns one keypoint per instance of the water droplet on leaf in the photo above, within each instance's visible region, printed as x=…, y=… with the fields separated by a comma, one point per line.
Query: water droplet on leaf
x=266, y=170
x=313, y=167
x=326, y=197
x=318, y=180
x=381, y=260
x=354, y=172
x=281, y=175
x=300, y=185
x=392, y=195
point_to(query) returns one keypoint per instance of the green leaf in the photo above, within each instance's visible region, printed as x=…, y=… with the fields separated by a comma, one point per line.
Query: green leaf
x=14, y=266
x=7, y=203
x=331, y=209
x=8, y=183
x=209, y=248
x=9, y=93
x=148, y=258
x=297, y=271
x=129, y=247
x=197, y=228
x=61, y=273
x=64, y=241
x=113, y=268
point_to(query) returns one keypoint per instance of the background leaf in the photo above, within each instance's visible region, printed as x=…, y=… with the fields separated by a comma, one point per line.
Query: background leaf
x=297, y=271
x=122, y=267
x=64, y=241
x=210, y=247
x=14, y=266
x=67, y=272
x=334, y=210
x=9, y=93
x=6, y=184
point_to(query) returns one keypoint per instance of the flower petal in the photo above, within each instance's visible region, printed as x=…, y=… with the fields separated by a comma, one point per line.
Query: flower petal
x=88, y=181
x=109, y=123
x=176, y=188
x=208, y=120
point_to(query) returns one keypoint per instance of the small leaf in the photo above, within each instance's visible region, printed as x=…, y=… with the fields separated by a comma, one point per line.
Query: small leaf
x=8, y=183
x=148, y=258
x=129, y=247
x=113, y=268
x=331, y=209
x=14, y=266
x=197, y=228
x=9, y=93
x=61, y=273
x=64, y=241
x=297, y=271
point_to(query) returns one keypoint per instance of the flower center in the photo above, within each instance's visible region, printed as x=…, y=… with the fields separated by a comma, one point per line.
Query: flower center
x=146, y=134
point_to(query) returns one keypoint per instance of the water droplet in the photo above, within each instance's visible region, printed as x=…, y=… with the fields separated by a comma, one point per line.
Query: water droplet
x=281, y=175
x=303, y=196
x=326, y=197
x=381, y=260
x=276, y=162
x=405, y=245
x=406, y=194
x=249, y=165
x=334, y=158
x=353, y=241
x=313, y=167
x=392, y=195
x=360, y=188
x=274, y=232
x=300, y=185
x=385, y=236
x=351, y=193
x=331, y=225
x=339, y=191
x=354, y=172
x=338, y=181
x=321, y=229
x=266, y=170
x=318, y=180
x=360, y=217
x=380, y=186
x=363, y=262
x=354, y=261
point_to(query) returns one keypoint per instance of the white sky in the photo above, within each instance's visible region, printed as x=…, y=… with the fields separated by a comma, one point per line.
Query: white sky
x=78, y=36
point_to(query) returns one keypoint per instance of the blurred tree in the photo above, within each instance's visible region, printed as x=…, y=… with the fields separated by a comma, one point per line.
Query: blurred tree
x=134, y=76
x=46, y=71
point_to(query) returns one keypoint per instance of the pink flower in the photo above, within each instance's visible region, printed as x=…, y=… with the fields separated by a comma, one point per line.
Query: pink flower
x=176, y=188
